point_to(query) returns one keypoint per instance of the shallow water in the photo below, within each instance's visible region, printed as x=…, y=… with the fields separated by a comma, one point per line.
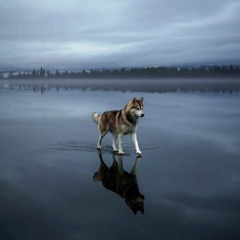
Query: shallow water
x=188, y=174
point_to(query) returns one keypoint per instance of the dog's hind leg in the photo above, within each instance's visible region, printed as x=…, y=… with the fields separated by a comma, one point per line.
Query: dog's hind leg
x=102, y=132
x=100, y=140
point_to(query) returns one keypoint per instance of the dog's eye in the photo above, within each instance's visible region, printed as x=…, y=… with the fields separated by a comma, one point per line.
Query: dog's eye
x=138, y=108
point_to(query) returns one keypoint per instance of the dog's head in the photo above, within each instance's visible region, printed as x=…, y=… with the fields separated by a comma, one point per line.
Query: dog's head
x=135, y=107
x=136, y=204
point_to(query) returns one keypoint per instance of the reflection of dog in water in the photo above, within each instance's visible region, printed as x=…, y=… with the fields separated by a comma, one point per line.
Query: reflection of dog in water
x=121, y=182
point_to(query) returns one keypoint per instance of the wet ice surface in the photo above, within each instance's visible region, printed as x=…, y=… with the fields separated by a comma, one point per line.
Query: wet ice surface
x=189, y=171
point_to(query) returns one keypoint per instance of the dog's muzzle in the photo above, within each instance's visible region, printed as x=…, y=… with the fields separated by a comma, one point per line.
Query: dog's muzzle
x=142, y=115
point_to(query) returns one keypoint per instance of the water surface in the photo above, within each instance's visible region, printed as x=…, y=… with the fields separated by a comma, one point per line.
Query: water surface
x=188, y=174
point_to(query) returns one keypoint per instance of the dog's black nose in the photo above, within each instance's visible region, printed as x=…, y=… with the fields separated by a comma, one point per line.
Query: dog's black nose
x=143, y=115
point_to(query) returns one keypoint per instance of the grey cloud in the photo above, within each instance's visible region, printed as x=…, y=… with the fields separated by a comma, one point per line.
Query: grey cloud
x=137, y=33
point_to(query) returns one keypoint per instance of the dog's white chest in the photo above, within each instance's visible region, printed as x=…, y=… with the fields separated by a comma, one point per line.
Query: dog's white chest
x=126, y=129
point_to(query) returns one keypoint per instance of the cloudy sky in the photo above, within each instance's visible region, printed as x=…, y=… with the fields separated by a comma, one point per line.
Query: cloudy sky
x=76, y=34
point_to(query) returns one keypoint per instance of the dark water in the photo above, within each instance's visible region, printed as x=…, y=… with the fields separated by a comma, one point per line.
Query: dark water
x=188, y=174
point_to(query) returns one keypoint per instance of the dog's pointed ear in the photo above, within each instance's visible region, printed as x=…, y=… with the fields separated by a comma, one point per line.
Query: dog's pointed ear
x=141, y=209
x=134, y=100
x=141, y=99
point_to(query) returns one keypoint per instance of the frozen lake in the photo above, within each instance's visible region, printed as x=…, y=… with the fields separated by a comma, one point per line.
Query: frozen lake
x=188, y=173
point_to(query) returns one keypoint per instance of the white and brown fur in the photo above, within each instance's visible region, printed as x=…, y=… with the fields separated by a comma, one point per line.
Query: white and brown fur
x=120, y=122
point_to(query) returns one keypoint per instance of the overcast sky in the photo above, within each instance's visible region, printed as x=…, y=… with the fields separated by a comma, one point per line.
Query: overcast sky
x=76, y=34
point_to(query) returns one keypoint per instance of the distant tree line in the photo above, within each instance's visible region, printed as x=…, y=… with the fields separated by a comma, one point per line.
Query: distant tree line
x=224, y=71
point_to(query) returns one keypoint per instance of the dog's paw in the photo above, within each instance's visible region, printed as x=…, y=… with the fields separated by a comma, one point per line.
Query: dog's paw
x=115, y=149
x=120, y=152
x=99, y=147
x=139, y=152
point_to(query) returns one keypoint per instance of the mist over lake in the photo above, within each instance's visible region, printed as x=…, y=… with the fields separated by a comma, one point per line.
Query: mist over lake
x=188, y=173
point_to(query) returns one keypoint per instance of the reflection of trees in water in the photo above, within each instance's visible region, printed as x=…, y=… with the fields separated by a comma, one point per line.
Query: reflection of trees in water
x=160, y=86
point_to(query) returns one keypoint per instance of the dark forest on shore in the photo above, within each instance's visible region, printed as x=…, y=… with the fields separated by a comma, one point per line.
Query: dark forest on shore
x=225, y=71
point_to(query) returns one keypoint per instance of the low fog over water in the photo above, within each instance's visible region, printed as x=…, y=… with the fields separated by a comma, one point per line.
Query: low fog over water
x=189, y=171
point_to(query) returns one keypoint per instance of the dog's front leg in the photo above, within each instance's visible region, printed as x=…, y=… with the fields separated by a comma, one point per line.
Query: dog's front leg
x=113, y=142
x=134, y=168
x=134, y=138
x=120, y=149
x=120, y=165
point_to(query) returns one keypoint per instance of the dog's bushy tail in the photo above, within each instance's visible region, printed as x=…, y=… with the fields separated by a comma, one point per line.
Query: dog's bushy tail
x=96, y=117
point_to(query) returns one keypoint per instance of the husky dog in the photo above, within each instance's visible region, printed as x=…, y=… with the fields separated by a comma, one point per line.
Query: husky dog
x=120, y=122
x=121, y=182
